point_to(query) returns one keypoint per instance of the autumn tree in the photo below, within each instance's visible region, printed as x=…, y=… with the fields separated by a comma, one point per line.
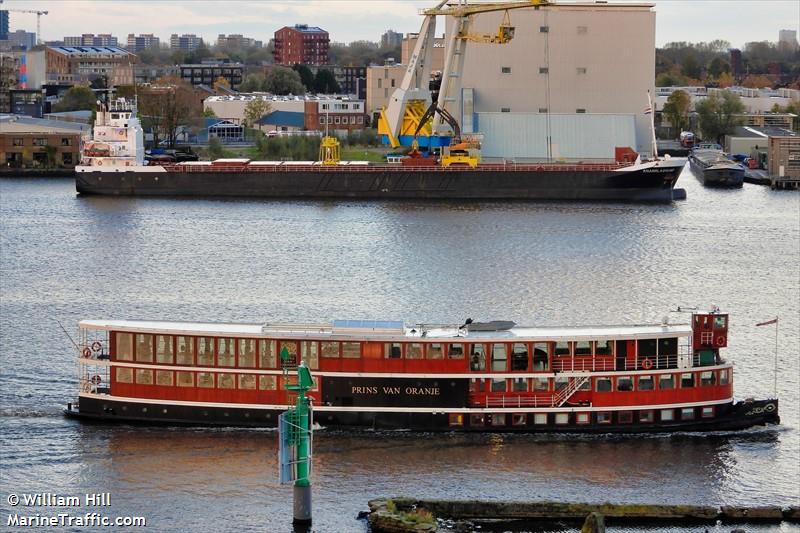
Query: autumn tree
x=252, y=82
x=221, y=83
x=254, y=110
x=676, y=109
x=717, y=114
x=757, y=81
x=167, y=105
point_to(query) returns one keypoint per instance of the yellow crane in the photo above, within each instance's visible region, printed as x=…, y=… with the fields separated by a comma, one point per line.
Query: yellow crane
x=38, y=20
x=411, y=111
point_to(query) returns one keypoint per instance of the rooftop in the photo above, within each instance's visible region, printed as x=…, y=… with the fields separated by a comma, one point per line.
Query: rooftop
x=305, y=28
x=22, y=124
x=82, y=51
x=767, y=131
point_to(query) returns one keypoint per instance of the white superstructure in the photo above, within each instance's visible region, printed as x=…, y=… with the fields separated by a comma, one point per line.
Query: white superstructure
x=117, y=141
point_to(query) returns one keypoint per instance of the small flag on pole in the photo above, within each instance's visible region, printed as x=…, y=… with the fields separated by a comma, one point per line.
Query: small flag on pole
x=768, y=322
x=648, y=110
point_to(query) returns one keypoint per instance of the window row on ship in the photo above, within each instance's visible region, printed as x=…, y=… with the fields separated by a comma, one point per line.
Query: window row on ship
x=270, y=382
x=230, y=352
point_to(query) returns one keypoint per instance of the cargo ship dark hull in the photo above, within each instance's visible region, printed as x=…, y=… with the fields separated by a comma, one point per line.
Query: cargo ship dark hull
x=718, y=175
x=653, y=183
x=730, y=417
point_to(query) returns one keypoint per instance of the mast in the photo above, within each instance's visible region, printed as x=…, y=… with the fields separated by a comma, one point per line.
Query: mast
x=652, y=114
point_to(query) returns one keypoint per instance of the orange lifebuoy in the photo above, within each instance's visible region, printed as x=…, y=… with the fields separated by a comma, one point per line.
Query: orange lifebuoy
x=96, y=380
x=647, y=364
x=720, y=340
x=87, y=352
x=99, y=162
x=96, y=346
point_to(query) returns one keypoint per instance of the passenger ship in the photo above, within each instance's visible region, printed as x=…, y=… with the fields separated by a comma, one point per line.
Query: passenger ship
x=491, y=376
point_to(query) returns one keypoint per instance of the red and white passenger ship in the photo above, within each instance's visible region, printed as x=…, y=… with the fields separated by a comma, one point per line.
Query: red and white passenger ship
x=476, y=377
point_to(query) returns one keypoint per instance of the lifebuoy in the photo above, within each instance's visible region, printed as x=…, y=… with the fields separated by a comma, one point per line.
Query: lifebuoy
x=647, y=364
x=720, y=340
x=96, y=346
x=96, y=380
x=87, y=352
x=99, y=162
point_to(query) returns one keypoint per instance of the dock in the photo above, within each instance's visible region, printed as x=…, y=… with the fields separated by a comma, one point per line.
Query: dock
x=776, y=183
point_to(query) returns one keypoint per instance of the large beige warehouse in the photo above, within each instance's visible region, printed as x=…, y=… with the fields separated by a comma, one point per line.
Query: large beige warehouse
x=589, y=64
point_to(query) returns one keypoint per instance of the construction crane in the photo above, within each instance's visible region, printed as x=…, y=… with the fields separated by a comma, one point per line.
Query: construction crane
x=38, y=20
x=411, y=112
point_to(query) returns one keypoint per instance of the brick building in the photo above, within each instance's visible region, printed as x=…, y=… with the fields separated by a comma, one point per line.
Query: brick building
x=301, y=44
x=82, y=64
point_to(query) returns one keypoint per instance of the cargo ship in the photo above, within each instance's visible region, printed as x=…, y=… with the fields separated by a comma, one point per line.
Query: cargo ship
x=714, y=169
x=113, y=163
x=475, y=376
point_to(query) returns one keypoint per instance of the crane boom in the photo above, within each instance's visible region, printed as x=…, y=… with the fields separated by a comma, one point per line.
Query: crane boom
x=38, y=19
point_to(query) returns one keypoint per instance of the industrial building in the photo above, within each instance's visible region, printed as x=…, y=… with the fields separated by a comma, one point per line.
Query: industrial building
x=381, y=83
x=35, y=143
x=755, y=100
x=301, y=44
x=572, y=84
x=207, y=72
x=82, y=64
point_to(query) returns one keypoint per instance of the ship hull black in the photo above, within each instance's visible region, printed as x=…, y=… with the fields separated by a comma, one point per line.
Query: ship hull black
x=655, y=184
x=728, y=417
x=726, y=176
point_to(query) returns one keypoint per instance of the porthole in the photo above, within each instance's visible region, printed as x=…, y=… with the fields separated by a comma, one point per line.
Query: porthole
x=144, y=409
x=124, y=407
x=164, y=411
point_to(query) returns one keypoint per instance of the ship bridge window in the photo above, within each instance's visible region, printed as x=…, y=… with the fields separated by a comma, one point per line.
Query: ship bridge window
x=519, y=356
x=624, y=383
x=435, y=351
x=391, y=350
x=562, y=348
x=266, y=354
x=540, y=419
x=668, y=346
x=414, y=351
x=205, y=351
x=724, y=377
x=226, y=381
x=144, y=376
x=603, y=385
x=687, y=380
x=667, y=415
x=164, y=353
x=164, y=378
x=185, y=379
x=352, y=350
x=498, y=419
x=666, y=381
x=225, y=354
x=185, y=349
x=646, y=383
x=541, y=384
x=687, y=413
x=646, y=347
x=288, y=350
x=309, y=351
x=477, y=357
x=603, y=418
x=603, y=347
x=114, y=115
x=455, y=351
x=498, y=385
x=267, y=383
x=541, y=356
x=646, y=416
x=583, y=348
x=520, y=385
x=205, y=380
x=499, y=359
x=477, y=385
x=247, y=353
x=124, y=346
x=144, y=348
x=561, y=383
x=719, y=322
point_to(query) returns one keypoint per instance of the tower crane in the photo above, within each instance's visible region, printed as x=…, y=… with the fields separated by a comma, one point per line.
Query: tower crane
x=38, y=20
x=411, y=110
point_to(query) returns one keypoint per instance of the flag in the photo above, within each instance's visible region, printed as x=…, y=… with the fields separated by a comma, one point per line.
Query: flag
x=648, y=110
x=768, y=322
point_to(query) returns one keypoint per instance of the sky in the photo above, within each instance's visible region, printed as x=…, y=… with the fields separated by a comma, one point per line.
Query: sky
x=736, y=21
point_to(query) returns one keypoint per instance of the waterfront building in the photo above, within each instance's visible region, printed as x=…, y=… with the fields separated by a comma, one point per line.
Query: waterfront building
x=577, y=75
x=70, y=65
x=301, y=44
x=756, y=101
x=207, y=72
x=236, y=40
x=391, y=38
x=437, y=55
x=32, y=143
x=187, y=42
x=137, y=43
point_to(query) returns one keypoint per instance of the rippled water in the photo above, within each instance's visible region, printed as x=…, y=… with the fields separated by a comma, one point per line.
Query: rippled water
x=67, y=258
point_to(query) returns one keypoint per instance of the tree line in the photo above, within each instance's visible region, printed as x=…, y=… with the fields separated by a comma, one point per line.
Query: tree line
x=296, y=80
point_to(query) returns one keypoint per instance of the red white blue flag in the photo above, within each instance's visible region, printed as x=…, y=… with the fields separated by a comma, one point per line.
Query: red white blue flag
x=768, y=322
x=648, y=110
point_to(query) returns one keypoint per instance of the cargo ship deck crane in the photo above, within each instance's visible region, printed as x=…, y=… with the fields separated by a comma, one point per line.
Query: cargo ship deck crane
x=412, y=117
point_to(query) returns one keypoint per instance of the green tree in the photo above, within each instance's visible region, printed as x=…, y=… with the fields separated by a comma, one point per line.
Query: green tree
x=717, y=67
x=252, y=82
x=282, y=80
x=75, y=99
x=306, y=76
x=671, y=78
x=209, y=113
x=690, y=66
x=717, y=114
x=215, y=149
x=676, y=109
x=254, y=110
x=325, y=82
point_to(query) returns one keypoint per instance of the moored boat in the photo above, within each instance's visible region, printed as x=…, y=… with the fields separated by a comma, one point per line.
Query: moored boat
x=491, y=376
x=113, y=163
x=712, y=168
